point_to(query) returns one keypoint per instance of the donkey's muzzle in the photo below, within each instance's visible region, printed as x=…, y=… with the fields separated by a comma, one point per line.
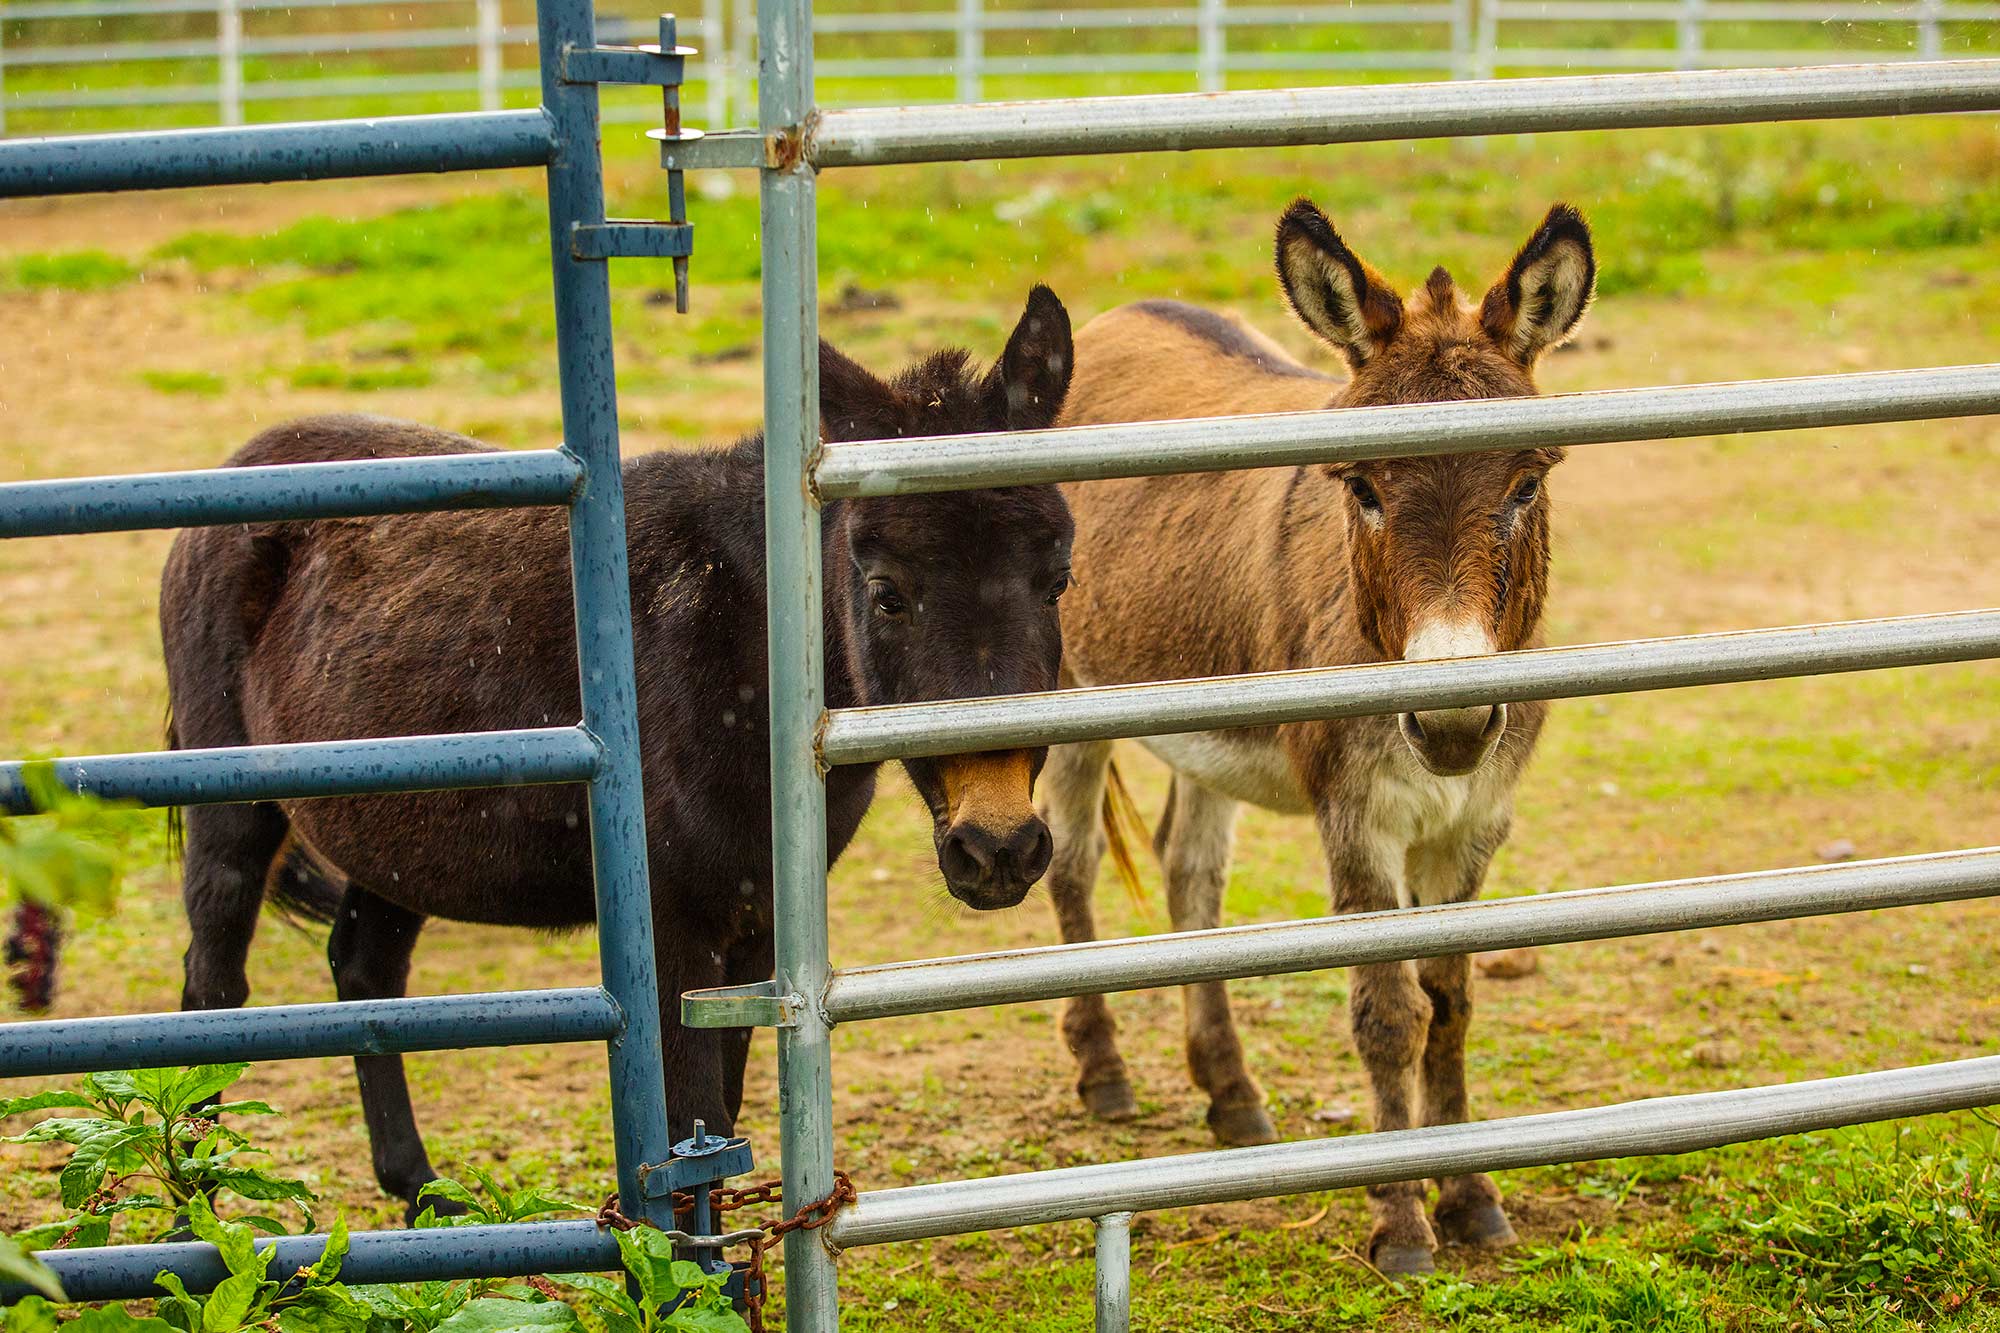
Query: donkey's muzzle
x=1451, y=742
x=992, y=846
x=987, y=870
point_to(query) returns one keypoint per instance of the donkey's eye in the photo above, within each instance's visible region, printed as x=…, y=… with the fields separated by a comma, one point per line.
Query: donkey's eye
x=1525, y=493
x=1364, y=494
x=1057, y=589
x=887, y=600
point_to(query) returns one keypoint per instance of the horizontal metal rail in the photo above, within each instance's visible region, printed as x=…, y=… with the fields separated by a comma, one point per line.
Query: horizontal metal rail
x=1657, y=1125
x=1211, y=444
x=514, y=1249
x=321, y=768
x=870, y=735
x=1017, y=975
x=288, y=491
x=1177, y=121
x=169, y=159
x=297, y=1031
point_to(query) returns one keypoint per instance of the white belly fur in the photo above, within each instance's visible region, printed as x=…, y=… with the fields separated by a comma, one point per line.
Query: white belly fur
x=1246, y=766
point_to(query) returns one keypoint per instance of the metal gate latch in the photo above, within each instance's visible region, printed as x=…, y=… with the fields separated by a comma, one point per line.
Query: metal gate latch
x=618, y=238
x=695, y=1168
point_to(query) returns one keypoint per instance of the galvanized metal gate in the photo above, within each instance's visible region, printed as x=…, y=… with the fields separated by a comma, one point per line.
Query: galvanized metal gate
x=792, y=144
x=602, y=750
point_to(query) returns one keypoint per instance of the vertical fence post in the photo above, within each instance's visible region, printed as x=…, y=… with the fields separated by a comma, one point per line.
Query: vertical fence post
x=1930, y=40
x=1688, y=35
x=229, y=61
x=971, y=50
x=797, y=652
x=1463, y=63
x=488, y=38
x=714, y=64
x=603, y=592
x=742, y=69
x=1488, y=43
x=1114, y=1273
x=1210, y=62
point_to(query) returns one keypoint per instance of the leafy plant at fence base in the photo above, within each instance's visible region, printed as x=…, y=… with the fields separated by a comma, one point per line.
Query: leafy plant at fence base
x=491, y=1203
x=153, y=1144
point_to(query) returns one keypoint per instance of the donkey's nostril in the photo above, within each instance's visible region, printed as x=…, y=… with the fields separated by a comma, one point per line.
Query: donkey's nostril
x=967, y=853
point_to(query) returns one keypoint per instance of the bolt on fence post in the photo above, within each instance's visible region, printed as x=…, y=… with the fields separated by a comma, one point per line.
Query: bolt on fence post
x=797, y=652
x=1114, y=1273
x=603, y=593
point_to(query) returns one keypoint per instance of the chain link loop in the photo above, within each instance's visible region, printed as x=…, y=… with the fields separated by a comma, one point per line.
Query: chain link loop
x=810, y=1217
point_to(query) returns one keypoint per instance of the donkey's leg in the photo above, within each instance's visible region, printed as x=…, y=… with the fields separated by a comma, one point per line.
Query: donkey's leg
x=1391, y=1018
x=1073, y=803
x=1197, y=839
x=704, y=1066
x=228, y=855
x=369, y=952
x=1468, y=1207
x=752, y=960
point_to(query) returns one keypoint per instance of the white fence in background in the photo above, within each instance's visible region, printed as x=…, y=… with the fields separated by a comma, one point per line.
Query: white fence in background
x=1208, y=40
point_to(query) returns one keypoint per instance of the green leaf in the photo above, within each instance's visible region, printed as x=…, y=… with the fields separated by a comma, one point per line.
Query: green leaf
x=177, y=1307
x=490, y=1315
x=97, y=1154
x=228, y=1307
x=601, y=1290
x=649, y=1258
x=243, y=1108
x=327, y=1267
x=43, y=1101
x=694, y=1320
x=116, y=1319
x=19, y=1266
x=249, y=1182
x=187, y=1088
x=528, y=1203
x=85, y=1231
x=66, y=1129
x=30, y=1314
x=237, y=1242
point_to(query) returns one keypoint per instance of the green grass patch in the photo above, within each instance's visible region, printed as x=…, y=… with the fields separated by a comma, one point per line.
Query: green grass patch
x=359, y=379
x=76, y=270
x=201, y=383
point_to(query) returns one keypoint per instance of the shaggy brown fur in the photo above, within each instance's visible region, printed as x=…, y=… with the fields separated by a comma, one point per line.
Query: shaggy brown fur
x=1282, y=568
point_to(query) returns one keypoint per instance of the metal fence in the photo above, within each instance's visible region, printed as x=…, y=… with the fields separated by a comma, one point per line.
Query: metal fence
x=956, y=51
x=793, y=143
x=561, y=136
x=220, y=67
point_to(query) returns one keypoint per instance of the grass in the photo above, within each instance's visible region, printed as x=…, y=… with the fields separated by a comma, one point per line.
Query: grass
x=1725, y=253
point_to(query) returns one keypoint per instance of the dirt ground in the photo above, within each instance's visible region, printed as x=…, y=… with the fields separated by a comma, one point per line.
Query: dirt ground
x=1654, y=539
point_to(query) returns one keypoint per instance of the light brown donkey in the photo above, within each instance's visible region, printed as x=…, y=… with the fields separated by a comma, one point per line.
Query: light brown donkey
x=1279, y=568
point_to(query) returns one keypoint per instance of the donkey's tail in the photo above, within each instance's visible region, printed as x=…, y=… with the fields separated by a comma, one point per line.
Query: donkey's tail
x=300, y=888
x=1120, y=817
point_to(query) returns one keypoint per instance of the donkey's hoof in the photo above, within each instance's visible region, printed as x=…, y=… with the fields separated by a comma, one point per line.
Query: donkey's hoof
x=1110, y=1101
x=1403, y=1260
x=1482, y=1225
x=1241, y=1126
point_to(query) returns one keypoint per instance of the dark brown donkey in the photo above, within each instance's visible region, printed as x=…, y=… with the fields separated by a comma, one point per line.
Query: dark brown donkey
x=1268, y=570
x=462, y=622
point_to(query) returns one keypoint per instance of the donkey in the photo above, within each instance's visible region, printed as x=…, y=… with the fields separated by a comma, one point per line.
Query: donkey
x=1280, y=568
x=462, y=622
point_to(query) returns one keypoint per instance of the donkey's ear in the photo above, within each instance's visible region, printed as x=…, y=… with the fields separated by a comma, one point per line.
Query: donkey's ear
x=1026, y=387
x=1547, y=288
x=853, y=404
x=1336, y=295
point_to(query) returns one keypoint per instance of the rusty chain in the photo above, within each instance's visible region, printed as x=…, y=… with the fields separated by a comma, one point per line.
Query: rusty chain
x=810, y=1217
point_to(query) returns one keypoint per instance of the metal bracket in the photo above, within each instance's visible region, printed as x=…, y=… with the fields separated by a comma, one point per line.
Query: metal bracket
x=694, y=151
x=758, y=1005
x=655, y=65
x=620, y=238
